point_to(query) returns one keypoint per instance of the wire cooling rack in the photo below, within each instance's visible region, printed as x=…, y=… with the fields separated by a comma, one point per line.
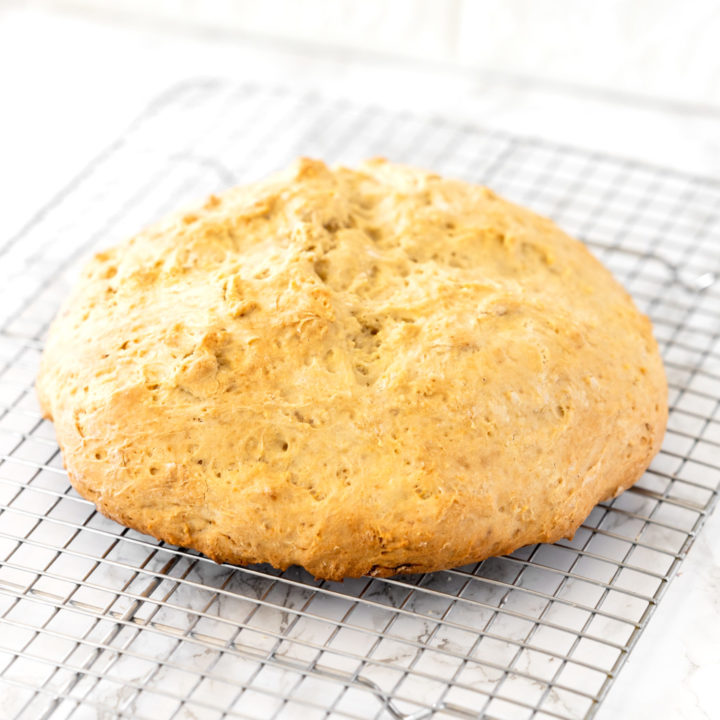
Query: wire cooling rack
x=99, y=621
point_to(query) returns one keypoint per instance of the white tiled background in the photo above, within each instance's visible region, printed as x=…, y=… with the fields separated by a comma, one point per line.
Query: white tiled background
x=654, y=48
x=639, y=78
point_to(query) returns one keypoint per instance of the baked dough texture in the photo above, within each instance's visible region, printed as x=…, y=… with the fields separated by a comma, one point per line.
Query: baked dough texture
x=369, y=371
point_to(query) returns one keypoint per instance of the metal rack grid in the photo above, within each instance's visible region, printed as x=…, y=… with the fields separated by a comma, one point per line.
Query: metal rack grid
x=99, y=620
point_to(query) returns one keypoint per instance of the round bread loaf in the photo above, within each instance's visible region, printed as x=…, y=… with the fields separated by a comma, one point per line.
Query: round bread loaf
x=369, y=371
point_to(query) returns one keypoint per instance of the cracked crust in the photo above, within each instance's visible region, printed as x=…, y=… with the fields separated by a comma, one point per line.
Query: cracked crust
x=357, y=371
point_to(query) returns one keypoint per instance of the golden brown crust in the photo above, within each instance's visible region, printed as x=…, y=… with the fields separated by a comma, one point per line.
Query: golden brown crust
x=357, y=371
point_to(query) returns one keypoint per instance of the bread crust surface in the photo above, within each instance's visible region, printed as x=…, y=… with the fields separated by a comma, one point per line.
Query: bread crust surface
x=368, y=371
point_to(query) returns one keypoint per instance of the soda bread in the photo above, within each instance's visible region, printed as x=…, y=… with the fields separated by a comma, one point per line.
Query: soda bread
x=369, y=371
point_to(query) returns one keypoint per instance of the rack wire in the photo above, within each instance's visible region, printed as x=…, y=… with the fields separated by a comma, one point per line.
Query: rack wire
x=99, y=620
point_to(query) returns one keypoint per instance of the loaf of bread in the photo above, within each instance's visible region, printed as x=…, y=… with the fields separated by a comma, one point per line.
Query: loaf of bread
x=368, y=371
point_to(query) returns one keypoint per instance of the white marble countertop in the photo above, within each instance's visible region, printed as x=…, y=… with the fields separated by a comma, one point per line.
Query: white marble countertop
x=70, y=85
